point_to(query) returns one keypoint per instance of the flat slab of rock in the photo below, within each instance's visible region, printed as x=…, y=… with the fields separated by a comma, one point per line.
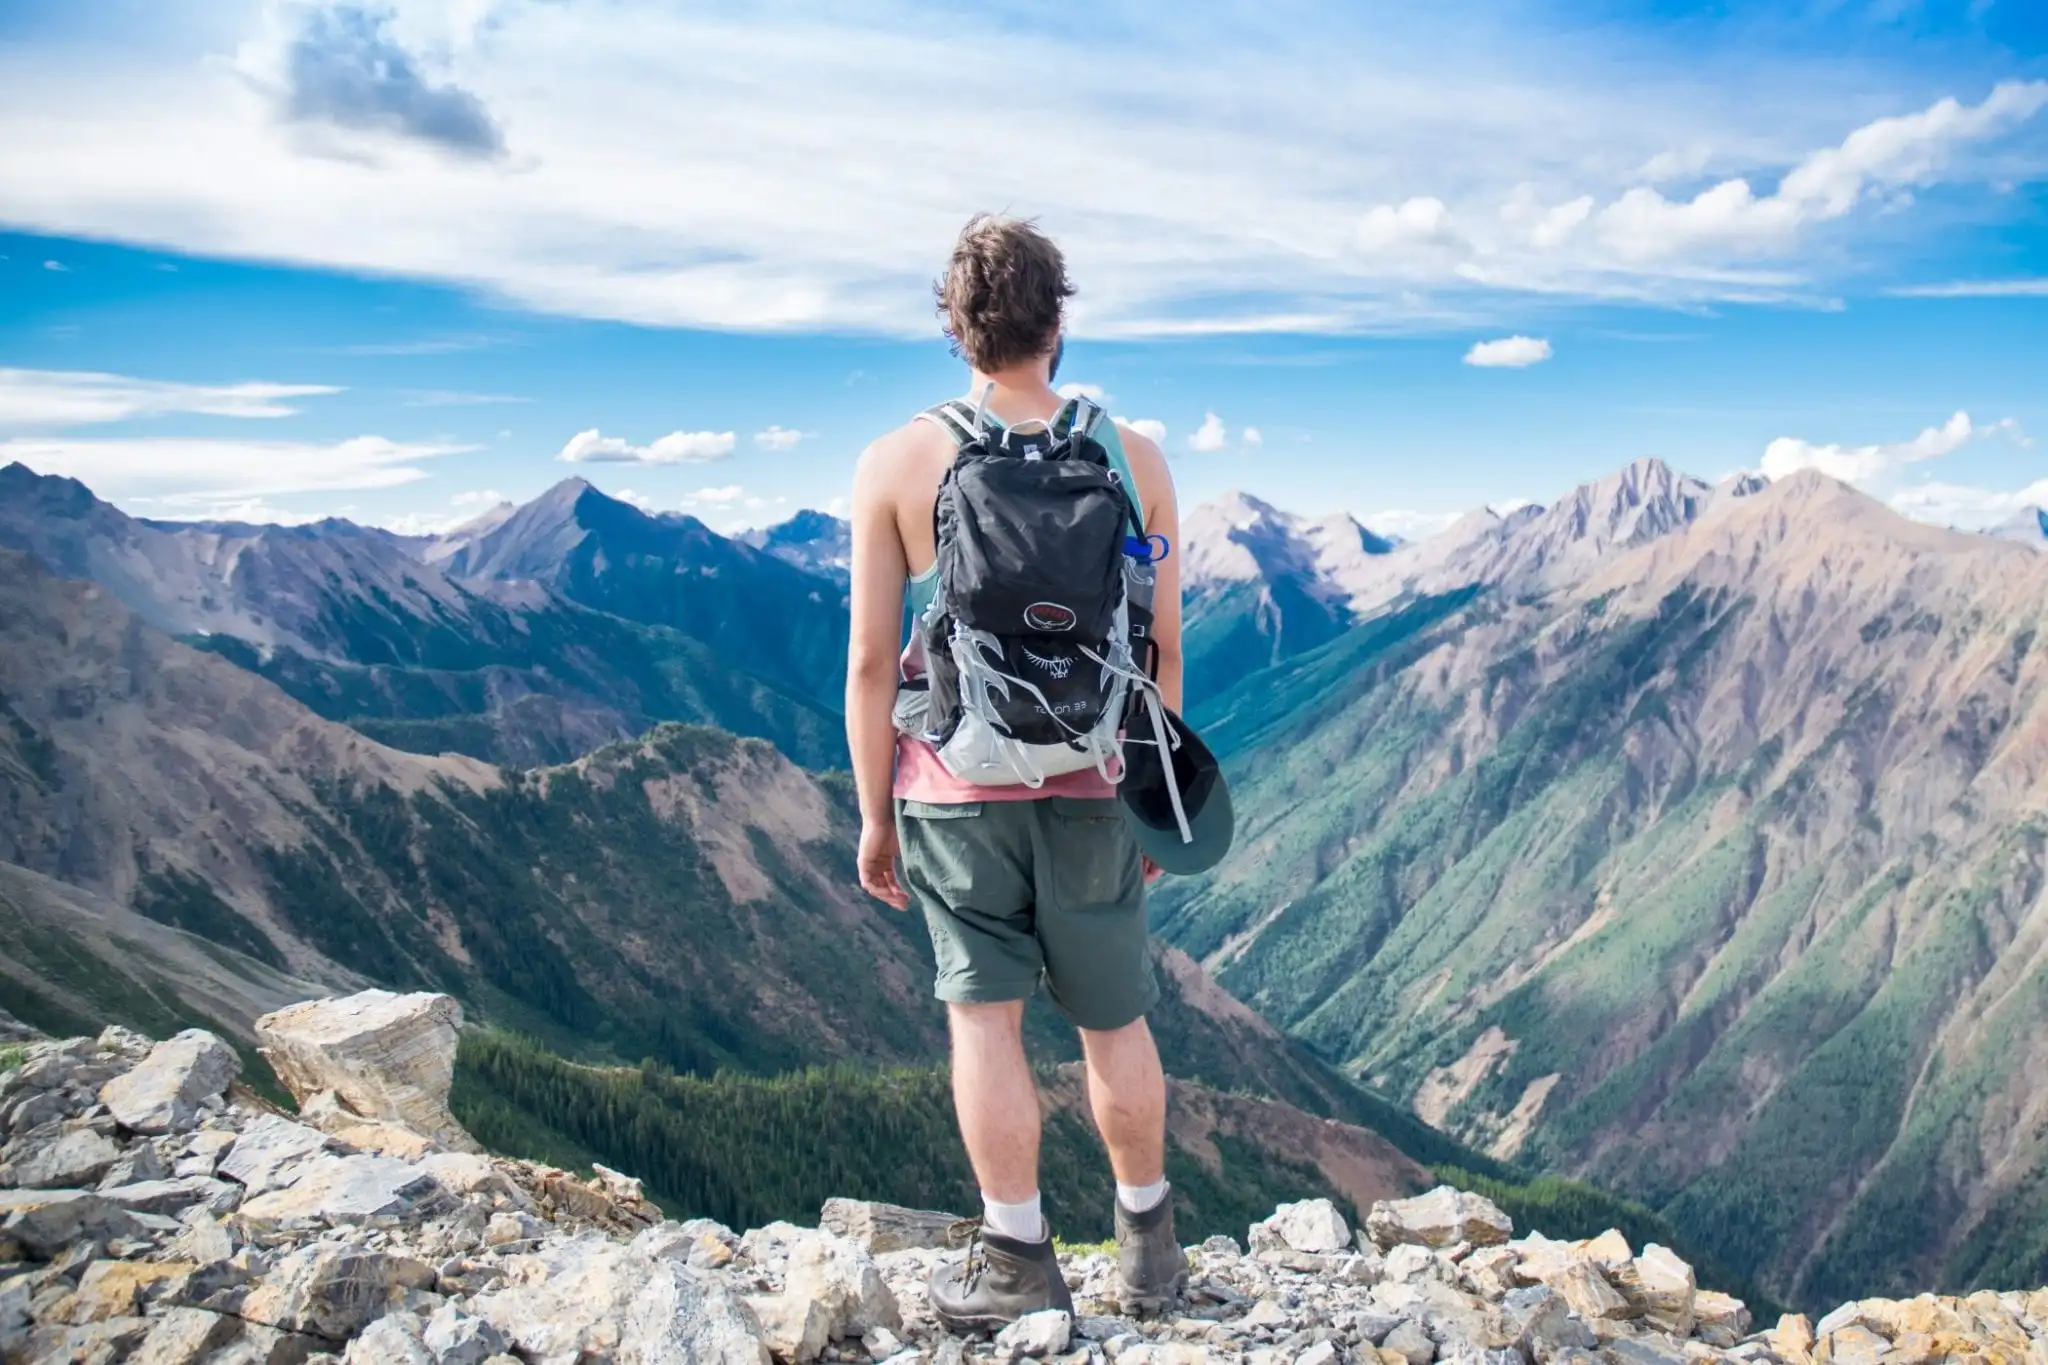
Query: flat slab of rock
x=74, y=1161
x=48, y=1222
x=346, y=1189
x=881, y=1228
x=270, y=1152
x=386, y=1057
x=1442, y=1218
x=166, y=1091
x=172, y=1197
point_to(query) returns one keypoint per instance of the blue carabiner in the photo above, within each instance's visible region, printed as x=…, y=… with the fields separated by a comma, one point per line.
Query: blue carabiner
x=1140, y=548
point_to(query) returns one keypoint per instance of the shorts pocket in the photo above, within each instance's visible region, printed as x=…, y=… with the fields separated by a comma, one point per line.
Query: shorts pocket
x=1094, y=857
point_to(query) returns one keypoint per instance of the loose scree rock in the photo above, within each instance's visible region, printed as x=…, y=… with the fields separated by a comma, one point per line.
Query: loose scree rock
x=153, y=1211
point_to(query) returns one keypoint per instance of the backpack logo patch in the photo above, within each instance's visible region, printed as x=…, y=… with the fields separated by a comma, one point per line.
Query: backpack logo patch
x=1058, y=666
x=1048, y=617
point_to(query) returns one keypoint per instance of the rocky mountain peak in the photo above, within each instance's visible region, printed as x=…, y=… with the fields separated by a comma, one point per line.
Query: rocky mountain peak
x=811, y=540
x=157, y=1211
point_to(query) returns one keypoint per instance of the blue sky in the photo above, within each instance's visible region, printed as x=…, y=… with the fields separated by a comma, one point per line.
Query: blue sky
x=289, y=258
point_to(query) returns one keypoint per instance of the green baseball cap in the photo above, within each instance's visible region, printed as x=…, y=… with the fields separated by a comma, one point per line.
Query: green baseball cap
x=1148, y=805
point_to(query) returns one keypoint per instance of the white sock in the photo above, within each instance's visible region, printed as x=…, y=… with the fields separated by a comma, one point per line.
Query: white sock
x=1139, y=1198
x=1023, y=1222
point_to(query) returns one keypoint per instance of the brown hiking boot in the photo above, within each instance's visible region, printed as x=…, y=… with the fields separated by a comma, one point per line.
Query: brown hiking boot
x=1148, y=1259
x=1000, y=1280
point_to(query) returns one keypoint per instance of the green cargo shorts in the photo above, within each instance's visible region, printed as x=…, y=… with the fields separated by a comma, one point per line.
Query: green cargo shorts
x=1022, y=892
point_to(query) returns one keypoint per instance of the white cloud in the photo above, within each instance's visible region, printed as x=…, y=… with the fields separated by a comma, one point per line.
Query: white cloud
x=57, y=266
x=479, y=497
x=1250, y=436
x=1509, y=353
x=61, y=399
x=715, y=497
x=179, y=476
x=777, y=438
x=1415, y=223
x=1860, y=464
x=678, y=447
x=581, y=182
x=1092, y=392
x=1151, y=428
x=1209, y=436
x=639, y=500
x=1975, y=289
x=1973, y=509
x=1900, y=152
x=1409, y=524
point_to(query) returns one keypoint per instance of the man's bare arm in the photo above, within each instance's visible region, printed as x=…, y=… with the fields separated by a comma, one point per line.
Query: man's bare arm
x=1162, y=518
x=879, y=573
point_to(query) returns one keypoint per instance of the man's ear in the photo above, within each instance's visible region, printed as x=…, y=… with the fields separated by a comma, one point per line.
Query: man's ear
x=1059, y=351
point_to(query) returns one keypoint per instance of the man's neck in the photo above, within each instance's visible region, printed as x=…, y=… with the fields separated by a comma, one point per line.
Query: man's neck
x=1020, y=392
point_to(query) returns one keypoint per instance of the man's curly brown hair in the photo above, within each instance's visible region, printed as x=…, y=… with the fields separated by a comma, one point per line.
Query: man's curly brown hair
x=1003, y=292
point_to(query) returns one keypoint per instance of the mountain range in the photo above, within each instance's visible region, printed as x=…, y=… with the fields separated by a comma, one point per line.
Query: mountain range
x=1689, y=838
x=531, y=636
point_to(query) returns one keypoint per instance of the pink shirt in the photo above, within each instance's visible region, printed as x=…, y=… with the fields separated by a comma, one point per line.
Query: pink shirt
x=920, y=776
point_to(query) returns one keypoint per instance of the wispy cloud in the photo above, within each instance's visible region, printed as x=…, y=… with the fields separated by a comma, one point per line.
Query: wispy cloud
x=1974, y=289
x=58, y=266
x=62, y=399
x=448, y=345
x=777, y=438
x=456, y=398
x=678, y=447
x=1531, y=163
x=176, y=476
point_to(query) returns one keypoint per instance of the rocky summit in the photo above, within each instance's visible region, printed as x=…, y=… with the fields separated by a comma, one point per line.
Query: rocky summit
x=153, y=1210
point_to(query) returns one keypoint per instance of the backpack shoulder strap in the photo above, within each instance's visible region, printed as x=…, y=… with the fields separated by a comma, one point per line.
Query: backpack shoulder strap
x=1112, y=443
x=955, y=417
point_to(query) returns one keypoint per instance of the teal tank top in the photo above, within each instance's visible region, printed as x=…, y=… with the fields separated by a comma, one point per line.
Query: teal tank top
x=918, y=591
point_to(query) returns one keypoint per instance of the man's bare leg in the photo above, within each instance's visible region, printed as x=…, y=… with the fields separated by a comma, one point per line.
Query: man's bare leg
x=1127, y=1092
x=997, y=1100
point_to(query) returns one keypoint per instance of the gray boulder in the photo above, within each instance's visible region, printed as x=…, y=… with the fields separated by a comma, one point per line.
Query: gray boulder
x=270, y=1153
x=594, y=1295
x=1444, y=1217
x=333, y=1291
x=166, y=1092
x=347, y=1189
x=172, y=1197
x=75, y=1160
x=1312, y=1226
x=385, y=1057
x=49, y=1222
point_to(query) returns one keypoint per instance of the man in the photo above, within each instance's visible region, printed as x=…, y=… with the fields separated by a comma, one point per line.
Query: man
x=1020, y=885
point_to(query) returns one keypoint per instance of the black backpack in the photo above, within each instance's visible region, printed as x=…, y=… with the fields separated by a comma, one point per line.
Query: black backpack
x=1043, y=607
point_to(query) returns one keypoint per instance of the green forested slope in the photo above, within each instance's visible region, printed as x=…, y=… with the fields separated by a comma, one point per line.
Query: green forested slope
x=1720, y=879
